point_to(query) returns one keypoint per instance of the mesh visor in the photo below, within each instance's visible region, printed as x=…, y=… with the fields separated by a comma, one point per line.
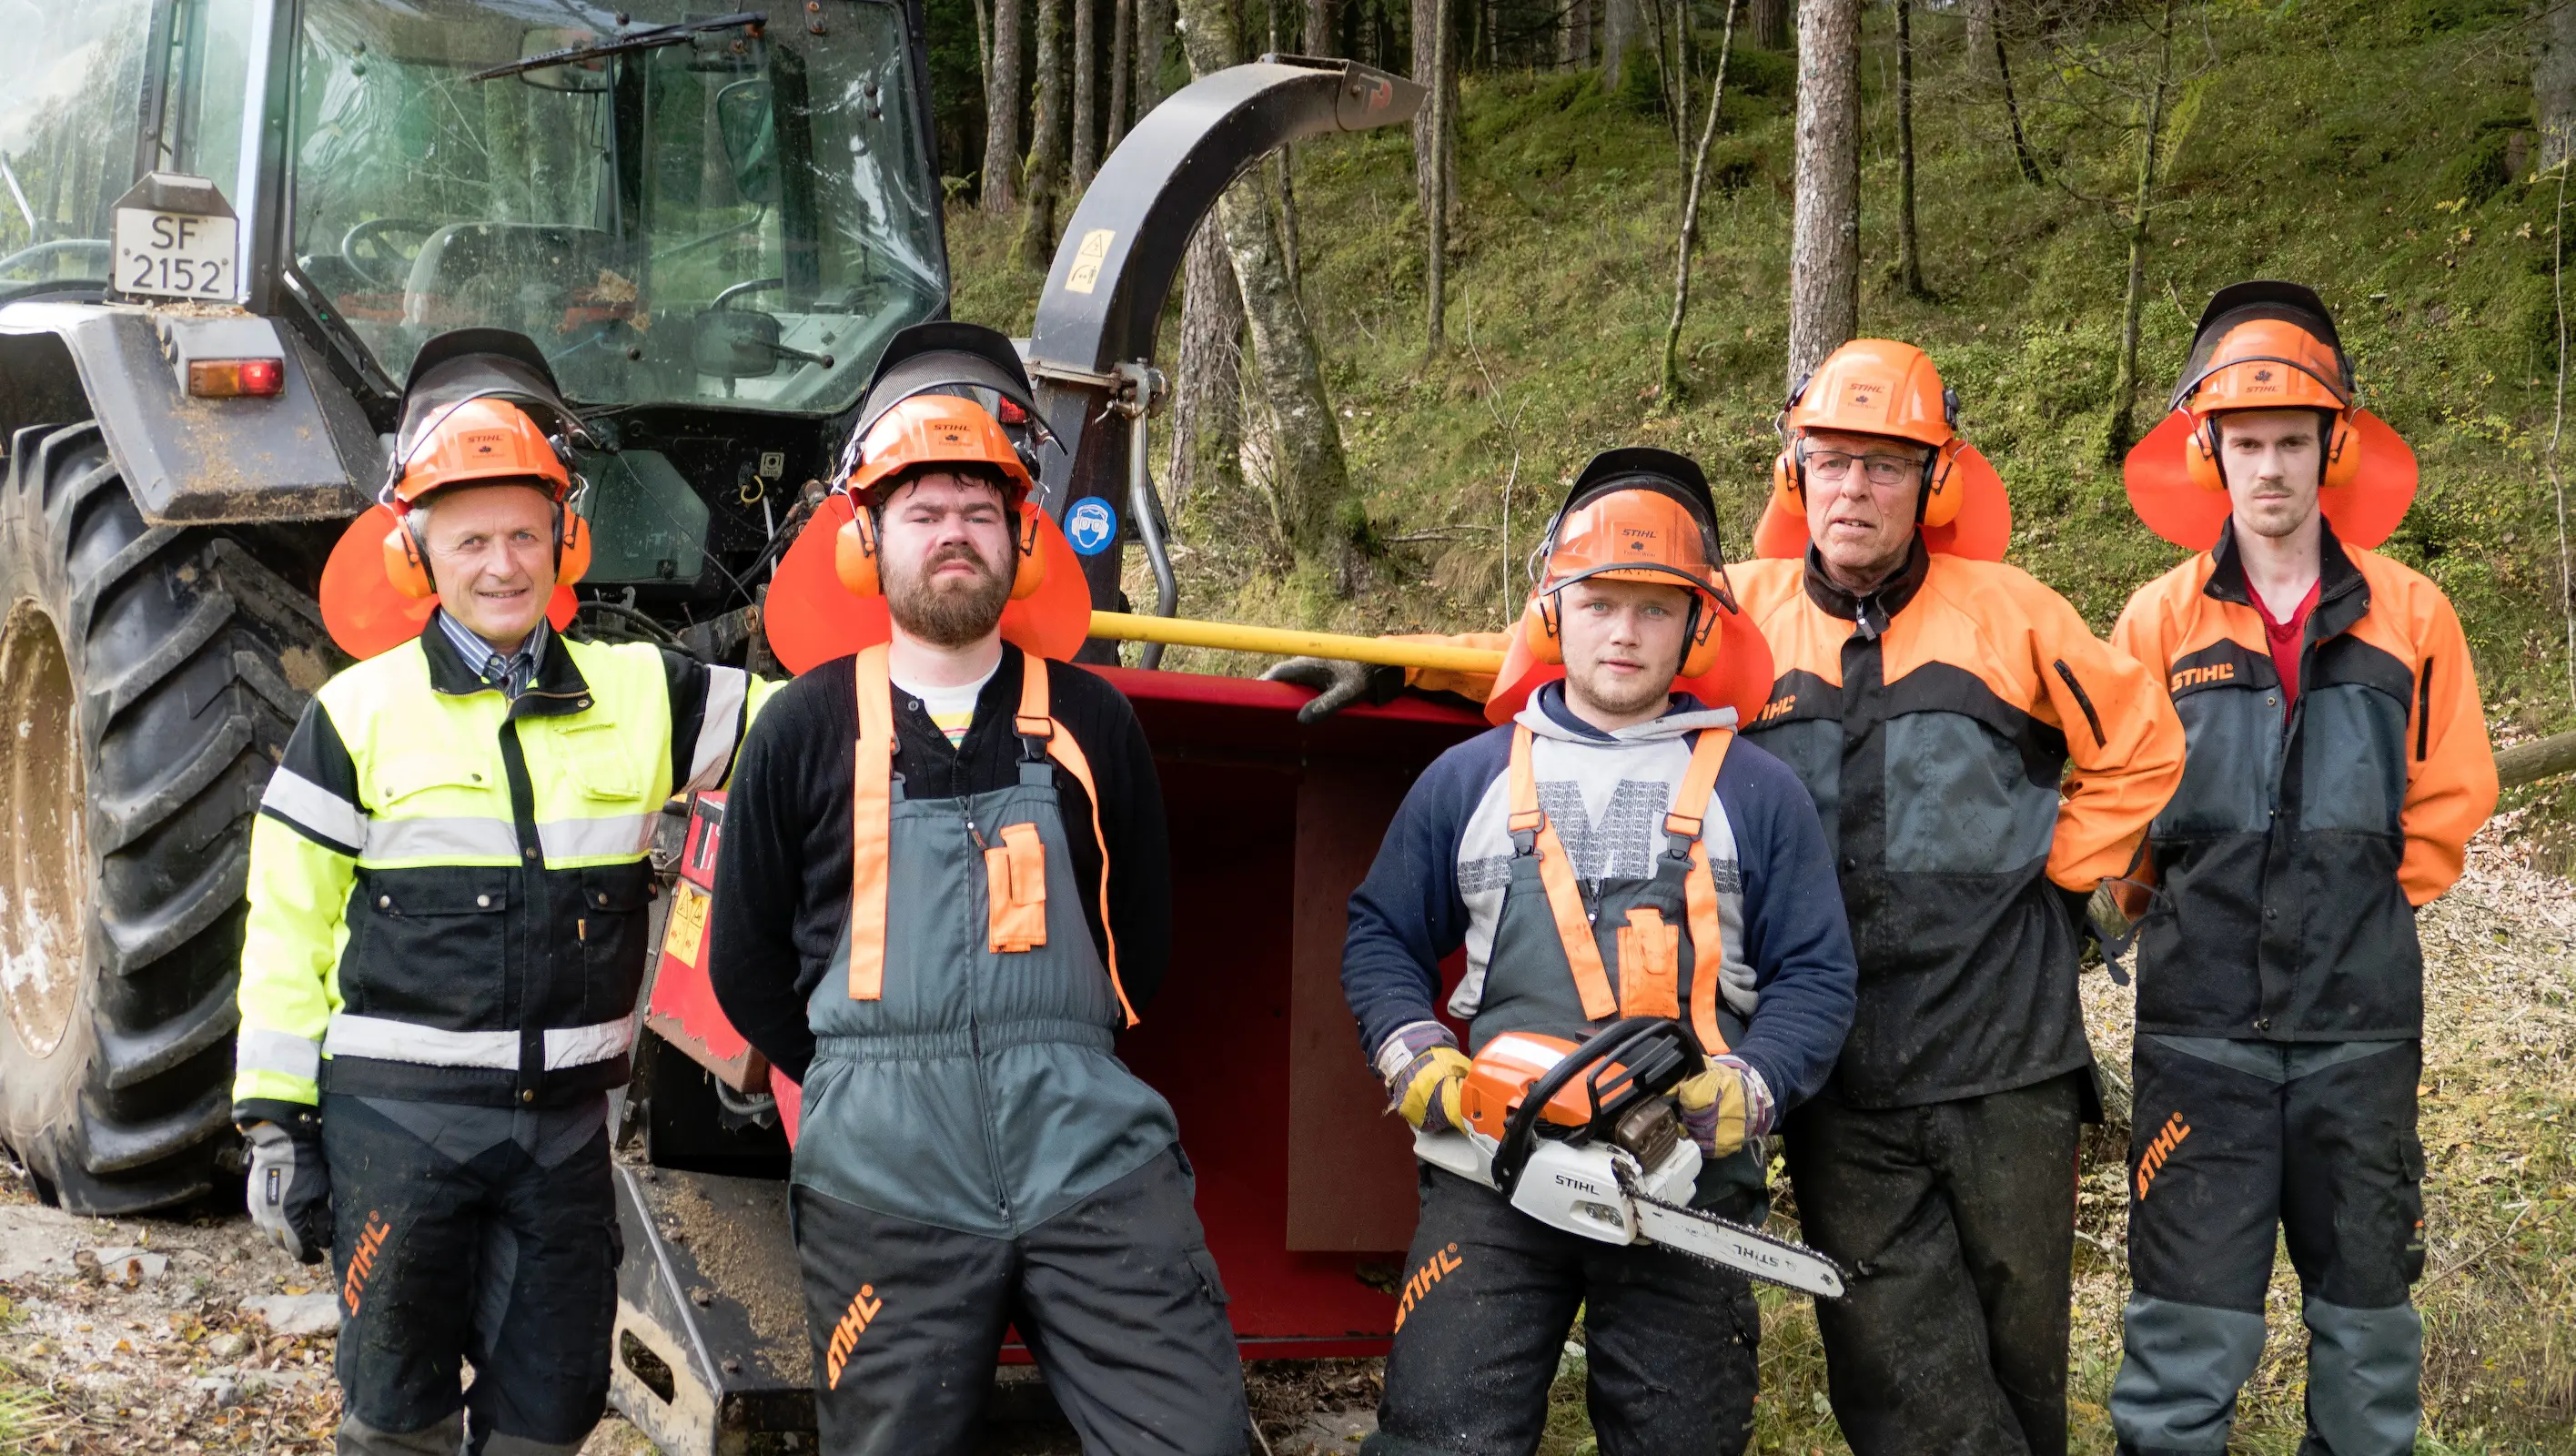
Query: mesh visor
x=2197, y=366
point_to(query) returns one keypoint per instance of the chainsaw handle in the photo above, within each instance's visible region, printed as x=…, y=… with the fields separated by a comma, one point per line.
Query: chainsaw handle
x=1512, y=1154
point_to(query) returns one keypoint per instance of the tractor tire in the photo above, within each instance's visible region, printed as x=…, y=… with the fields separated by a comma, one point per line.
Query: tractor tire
x=149, y=679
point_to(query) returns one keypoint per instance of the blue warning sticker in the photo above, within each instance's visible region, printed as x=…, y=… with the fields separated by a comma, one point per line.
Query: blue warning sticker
x=1091, y=525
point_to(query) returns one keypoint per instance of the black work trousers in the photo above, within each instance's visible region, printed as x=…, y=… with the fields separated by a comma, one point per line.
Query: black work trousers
x=498, y=1260
x=1956, y=1221
x=1671, y=1341
x=1116, y=1297
x=2233, y=1141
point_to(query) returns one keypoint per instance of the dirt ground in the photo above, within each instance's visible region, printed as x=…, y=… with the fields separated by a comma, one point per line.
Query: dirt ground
x=177, y=1336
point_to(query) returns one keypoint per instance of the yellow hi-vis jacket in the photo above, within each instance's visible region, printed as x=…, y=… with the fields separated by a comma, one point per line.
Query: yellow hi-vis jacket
x=448, y=888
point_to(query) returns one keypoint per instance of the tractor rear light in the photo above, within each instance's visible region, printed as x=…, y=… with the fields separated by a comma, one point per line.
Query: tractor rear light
x=1012, y=414
x=236, y=378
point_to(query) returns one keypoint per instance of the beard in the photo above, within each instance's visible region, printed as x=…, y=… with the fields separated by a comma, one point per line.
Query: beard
x=1619, y=697
x=949, y=612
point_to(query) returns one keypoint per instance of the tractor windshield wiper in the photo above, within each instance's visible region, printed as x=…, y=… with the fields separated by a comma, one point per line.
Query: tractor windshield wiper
x=642, y=40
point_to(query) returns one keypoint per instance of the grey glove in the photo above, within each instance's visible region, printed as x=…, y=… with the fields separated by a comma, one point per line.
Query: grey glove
x=1338, y=684
x=290, y=1191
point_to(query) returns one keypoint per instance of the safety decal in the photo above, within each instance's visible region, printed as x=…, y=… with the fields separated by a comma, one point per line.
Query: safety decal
x=1433, y=1270
x=688, y=928
x=1088, y=256
x=1091, y=525
x=845, y=1335
x=362, y=1260
x=2153, y=1160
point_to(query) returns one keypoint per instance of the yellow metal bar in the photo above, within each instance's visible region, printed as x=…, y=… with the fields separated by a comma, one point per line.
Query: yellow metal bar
x=1285, y=642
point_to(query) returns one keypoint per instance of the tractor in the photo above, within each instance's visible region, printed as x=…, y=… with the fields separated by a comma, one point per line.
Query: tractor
x=229, y=227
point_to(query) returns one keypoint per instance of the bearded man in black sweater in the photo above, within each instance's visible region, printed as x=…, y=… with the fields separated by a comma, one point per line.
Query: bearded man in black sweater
x=945, y=884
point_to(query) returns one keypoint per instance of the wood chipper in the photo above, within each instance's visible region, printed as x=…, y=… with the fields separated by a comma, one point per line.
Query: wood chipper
x=228, y=227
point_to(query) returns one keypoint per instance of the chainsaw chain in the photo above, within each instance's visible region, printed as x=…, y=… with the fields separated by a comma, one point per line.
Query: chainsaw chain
x=1628, y=1185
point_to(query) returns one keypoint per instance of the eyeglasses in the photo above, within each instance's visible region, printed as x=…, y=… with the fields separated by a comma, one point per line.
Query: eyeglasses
x=1880, y=469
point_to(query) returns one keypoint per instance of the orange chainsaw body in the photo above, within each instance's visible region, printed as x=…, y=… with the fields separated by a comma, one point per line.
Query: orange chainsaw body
x=1502, y=1074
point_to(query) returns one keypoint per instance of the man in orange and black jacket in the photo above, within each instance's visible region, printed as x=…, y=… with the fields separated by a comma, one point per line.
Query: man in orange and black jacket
x=2337, y=765
x=1932, y=703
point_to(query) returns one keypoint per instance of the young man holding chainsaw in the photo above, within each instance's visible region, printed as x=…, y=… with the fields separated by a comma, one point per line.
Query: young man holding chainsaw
x=1613, y=852
x=944, y=888
x=2337, y=765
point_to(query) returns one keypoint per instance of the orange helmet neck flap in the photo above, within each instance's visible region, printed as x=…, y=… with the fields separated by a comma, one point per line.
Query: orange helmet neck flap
x=2268, y=346
x=1638, y=514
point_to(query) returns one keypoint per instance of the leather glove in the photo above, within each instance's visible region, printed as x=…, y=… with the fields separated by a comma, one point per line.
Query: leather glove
x=1723, y=1106
x=1338, y=684
x=290, y=1190
x=1426, y=1075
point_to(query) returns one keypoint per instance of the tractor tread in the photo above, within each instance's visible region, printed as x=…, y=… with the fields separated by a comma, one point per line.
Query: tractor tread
x=126, y=1060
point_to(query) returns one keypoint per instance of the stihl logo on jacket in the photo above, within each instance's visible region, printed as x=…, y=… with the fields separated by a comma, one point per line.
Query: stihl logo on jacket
x=2304, y=833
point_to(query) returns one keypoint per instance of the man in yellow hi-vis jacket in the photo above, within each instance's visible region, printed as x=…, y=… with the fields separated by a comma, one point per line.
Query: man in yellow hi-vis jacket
x=448, y=887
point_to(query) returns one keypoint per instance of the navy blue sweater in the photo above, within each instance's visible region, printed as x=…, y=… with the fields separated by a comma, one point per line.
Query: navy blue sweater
x=1412, y=912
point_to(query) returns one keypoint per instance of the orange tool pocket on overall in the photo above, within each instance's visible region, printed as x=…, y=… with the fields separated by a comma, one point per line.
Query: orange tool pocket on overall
x=1015, y=890
x=1649, y=947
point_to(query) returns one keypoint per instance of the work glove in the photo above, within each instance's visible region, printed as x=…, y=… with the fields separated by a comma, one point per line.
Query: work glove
x=1724, y=1105
x=1426, y=1076
x=1338, y=684
x=290, y=1190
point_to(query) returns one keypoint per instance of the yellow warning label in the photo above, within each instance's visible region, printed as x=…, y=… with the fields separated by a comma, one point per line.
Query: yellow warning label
x=1085, y=274
x=688, y=927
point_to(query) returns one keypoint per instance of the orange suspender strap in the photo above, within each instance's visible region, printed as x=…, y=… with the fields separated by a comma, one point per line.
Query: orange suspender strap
x=1556, y=873
x=1036, y=721
x=871, y=826
x=1707, y=927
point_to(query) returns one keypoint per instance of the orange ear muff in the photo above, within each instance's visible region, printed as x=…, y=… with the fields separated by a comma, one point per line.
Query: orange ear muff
x=405, y=566
x=854, y=553
x=2200, y=457
x=1789, y=482
x=1705, y=639
x=572, y=557
x=1542, y=632
x=1943, y=487
x=1029, y=573
x=2343, y=453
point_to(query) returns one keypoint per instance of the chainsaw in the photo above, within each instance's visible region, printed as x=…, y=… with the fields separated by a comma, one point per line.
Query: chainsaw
x=1589, y=1139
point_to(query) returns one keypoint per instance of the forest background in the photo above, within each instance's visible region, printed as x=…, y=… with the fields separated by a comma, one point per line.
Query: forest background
x=2042, y=194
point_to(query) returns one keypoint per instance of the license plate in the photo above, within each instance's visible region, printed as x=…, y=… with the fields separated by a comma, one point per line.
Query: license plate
x=175, y=254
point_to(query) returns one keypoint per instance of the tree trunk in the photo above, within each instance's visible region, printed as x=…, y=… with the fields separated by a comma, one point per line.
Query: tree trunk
x=1207, y=405
x=1002, y=110
x=1046, y=142
x=1287, y=186
x=2124, y=390
x=1622, y=30
x=1437, y=269
x=1909, y=254
x=1122, y=47
x=2553, y=77
x=1319, y=29
x=1309, y=478
x=1980, y=40
x=2012, y=110
x=1672, y=383
x=1574, y=43
x=1770, y=20
x=1426, y=25
x=1086, y=93
x=1824, y=240
x=1153, y=34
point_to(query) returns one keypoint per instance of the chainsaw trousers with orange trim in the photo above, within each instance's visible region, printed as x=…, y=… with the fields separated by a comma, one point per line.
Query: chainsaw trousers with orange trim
x=1670, y=1342
x=506, y=1260
x=1957, y=1222
x=2233, y=1144
x=1116, y=1297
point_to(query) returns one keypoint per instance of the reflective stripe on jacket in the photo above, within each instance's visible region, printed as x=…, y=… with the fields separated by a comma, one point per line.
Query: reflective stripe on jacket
x=448, y=889
x=1934, y=721
x=2300, y=839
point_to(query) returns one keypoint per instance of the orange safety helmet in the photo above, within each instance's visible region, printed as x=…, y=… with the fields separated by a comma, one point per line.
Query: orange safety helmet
x=922, y=432
x=1875, y=387
x=2266, y=345
x=1638, y=514
x=479, y=439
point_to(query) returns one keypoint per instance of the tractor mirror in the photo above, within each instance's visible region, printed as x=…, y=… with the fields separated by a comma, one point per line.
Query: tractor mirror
x=736, y=343
x=588, y=75
x=749, y=130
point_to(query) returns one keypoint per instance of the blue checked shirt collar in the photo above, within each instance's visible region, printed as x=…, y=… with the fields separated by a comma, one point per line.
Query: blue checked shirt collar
x=511, y=673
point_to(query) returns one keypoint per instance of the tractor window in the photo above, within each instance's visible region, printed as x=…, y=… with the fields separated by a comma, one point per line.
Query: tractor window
x=209, y=73
x=73, y=76
x=724, y=218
